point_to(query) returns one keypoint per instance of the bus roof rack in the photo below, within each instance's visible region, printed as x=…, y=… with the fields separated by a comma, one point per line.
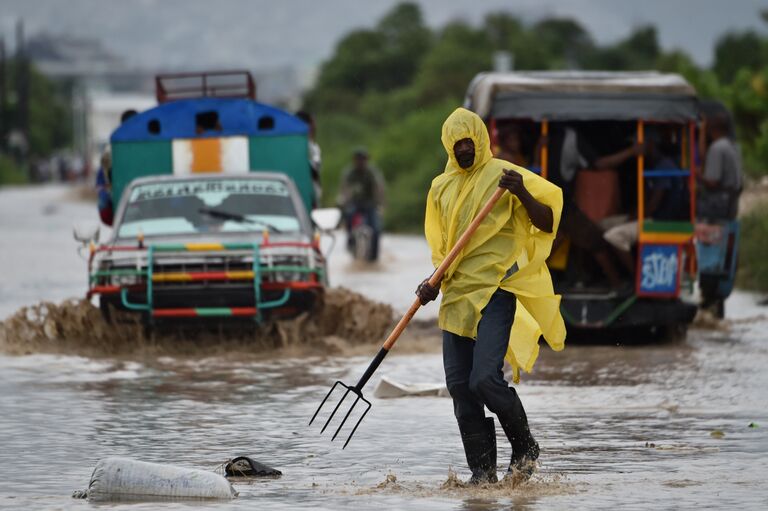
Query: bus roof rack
x=583, y=96
x=218, y=84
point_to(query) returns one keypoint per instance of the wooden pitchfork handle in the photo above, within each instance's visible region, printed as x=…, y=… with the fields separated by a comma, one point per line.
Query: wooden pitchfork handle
x=437, y=276
x=433, y=281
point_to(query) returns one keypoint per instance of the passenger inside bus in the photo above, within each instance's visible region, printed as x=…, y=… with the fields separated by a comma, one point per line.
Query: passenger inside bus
x=511, y=146
x=595, y=165
x=666, y=195
x=591, y=191
x=207, y=121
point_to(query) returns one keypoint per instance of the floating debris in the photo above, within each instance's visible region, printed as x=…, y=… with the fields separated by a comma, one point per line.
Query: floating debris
x=243, y=466
x=389, y=388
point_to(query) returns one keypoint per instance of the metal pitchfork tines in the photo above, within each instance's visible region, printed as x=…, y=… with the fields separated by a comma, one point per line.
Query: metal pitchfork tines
x=357, y=390
x=434, y=280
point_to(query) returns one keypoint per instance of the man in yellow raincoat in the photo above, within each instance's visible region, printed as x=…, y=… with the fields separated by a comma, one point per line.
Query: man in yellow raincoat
x=497, y=296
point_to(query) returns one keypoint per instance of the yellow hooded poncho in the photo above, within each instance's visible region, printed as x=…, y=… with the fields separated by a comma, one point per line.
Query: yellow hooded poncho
x=505, y=239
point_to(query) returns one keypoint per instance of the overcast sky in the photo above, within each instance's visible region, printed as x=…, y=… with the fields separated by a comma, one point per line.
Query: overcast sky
x=195, y=34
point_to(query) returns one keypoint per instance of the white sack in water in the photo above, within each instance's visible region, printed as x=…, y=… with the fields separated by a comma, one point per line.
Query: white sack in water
x=388, y=388
x=123, y=478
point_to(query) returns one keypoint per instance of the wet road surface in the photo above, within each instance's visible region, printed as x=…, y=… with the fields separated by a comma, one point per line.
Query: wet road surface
x=658, y=425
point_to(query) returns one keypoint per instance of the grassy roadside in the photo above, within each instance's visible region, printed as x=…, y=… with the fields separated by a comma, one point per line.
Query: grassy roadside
x=753, y=260
x=753, y=256
x=10, y=173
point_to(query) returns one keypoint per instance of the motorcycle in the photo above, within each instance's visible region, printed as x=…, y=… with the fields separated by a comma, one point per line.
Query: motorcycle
x=361, y=238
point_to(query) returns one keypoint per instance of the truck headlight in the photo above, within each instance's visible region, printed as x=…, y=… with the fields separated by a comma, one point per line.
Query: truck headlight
x=125, y=280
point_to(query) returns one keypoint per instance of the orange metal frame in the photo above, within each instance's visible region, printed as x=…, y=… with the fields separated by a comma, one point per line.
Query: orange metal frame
x=691, y=142
x=544, y=150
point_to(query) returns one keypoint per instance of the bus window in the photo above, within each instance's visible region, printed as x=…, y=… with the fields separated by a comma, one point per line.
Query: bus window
x=207, y=121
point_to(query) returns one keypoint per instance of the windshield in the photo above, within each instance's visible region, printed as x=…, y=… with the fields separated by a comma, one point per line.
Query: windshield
x=209, y=206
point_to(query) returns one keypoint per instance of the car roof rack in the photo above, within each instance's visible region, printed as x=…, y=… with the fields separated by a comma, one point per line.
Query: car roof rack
x=218, y=84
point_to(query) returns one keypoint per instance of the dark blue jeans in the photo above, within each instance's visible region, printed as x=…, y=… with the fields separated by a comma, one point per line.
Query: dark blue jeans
x=474, y=369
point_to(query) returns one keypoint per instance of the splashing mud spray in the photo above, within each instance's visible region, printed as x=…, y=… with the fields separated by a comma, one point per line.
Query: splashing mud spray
x=345, y=319
x=542, y=484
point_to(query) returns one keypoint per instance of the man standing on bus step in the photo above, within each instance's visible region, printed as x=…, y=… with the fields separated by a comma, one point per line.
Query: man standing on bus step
x=721, y=181
x=104, y=180
x=497, y=296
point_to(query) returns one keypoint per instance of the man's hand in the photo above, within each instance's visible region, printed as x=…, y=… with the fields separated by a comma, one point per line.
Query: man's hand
x=540, y=214
x=427, y=293
x=512, y=181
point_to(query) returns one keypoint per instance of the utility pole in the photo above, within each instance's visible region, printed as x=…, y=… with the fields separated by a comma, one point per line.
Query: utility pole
x=22, y=88
x=3, y=97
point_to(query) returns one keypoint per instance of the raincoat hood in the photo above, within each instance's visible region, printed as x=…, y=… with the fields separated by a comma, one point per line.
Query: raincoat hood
x=463, y=124
x=506, y=251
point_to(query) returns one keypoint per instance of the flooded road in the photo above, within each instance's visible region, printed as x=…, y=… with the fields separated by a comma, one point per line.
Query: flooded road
x=663, y=425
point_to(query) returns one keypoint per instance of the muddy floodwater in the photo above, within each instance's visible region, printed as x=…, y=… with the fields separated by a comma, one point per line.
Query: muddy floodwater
x=675, y=424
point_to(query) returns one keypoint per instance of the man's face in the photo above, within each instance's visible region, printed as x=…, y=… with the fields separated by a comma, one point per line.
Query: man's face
x=651, y=151
x=464, y=151
x=360, y=161
x=512, y=141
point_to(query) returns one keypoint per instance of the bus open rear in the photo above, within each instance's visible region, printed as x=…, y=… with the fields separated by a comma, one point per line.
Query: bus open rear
x=623, y=147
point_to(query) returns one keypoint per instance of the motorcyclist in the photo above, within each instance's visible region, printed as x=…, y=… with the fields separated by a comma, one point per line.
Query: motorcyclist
x=361, y=192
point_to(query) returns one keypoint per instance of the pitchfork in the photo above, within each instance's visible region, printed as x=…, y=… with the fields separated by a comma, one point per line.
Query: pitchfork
x=357, y=389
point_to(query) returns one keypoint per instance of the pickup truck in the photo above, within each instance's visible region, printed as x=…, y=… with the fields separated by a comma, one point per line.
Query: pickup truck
x=214, y=192
x=209, y=246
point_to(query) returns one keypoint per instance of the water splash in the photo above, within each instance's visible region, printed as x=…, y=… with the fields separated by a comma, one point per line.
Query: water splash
x=344, y=320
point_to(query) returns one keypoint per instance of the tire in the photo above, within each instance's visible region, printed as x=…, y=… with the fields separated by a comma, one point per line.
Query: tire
x=675, y=332
x=363, y=236
x=719, y=309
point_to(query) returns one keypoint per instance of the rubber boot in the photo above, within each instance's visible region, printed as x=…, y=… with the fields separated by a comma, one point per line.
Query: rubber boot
x=525, y=450
x=479, y=439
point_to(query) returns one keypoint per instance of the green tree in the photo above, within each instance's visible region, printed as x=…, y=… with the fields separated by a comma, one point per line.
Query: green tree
x=49, y=120
x=390, y=88
x=407, y=40
x=507, y=33
x=459, y=53
x=410, y=154
x=502, y=29
x=381, y=59
x=639, y=51
x=747, y=98
x=567, y=43
x=703, y=80
x=356, y=63
x=736, y=51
